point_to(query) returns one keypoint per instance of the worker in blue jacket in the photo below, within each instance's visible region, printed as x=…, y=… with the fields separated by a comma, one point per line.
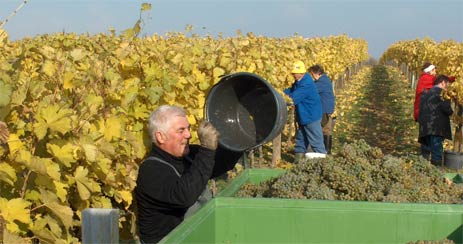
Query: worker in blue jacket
x=325, y=90
x=308, y=106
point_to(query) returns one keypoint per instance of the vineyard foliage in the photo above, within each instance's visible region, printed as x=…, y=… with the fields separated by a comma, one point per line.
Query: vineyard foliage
x=446, y=55
x=76, y=107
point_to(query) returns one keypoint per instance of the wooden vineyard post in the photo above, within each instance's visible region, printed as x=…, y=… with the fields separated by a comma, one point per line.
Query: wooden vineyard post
x=276, y=155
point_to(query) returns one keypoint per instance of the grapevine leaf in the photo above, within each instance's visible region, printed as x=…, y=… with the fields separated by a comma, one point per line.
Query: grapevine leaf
x=32, y=195
x=53, y=169
x=63, y=212
x=15, y=144
x=64, y=154
x=136, y=141
x=145, y=7
x=53, y=118
x=67, y=82
x=82, y=181
x=191, y=119
x=154, y=93
x=113, y=128
x=49, y=68
x=5, y=95
x=105, y=165
x=91, y=152
x=103, y=202
x=218, y=72
x=7, y=174
x=77, y=54
x=10, y=238
x=12, y=210
x=125, y=196
x=61, y=191
x=94, y=102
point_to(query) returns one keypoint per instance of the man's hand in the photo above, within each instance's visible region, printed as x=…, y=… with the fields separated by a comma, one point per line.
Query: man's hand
x=208, y=135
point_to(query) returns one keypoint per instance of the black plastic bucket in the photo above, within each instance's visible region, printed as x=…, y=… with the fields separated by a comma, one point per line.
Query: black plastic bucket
x=453, y=160
x=246, y=110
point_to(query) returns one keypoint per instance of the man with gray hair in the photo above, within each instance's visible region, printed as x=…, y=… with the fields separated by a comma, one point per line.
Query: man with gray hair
x=175, y=173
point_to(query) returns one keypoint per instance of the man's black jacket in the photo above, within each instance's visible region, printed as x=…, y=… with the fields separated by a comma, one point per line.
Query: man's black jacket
x=163, y=196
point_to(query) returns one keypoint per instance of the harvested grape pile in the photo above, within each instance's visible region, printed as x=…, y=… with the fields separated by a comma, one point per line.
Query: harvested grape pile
x=360, y=172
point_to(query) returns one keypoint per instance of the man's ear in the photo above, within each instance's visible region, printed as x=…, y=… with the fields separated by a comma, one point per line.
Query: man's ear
x=160, y=137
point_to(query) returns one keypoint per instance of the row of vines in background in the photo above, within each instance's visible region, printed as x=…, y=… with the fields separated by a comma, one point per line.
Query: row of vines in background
x=76, y=107
x=447, y=56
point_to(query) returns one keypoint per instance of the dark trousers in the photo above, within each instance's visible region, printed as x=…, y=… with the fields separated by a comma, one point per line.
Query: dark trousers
x=432, y=146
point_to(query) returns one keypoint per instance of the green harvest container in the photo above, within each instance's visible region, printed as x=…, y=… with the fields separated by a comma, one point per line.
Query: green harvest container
x=228, y=219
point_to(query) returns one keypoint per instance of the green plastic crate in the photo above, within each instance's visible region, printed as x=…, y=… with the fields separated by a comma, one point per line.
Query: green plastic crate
x=228, y=219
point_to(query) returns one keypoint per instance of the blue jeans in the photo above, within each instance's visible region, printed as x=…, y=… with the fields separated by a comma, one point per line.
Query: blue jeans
x=432, y=145
x=310, y=135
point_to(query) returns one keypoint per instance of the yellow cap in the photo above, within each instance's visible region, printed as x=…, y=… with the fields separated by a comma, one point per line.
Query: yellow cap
x=298, y=68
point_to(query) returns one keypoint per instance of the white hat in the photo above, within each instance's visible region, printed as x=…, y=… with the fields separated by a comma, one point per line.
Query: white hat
x=429, y=68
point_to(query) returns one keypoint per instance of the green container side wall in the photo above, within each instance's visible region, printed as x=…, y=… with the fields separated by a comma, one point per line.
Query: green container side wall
x=234, y=220
x=264, y=220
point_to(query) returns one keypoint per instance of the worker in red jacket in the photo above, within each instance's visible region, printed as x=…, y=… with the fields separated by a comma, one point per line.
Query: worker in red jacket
x=425, y=82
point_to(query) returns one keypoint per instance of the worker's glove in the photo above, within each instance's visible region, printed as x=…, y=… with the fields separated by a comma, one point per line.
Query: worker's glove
x=208, y=135
x=4, y=133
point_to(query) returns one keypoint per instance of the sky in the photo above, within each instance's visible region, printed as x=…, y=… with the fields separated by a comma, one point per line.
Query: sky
x=380, y=22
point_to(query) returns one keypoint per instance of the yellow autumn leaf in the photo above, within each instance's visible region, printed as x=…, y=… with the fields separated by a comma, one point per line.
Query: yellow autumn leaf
x=217, y=72
x=62, y=211
x=7, y=174
x=10, y=238
x=67, y=80
x=53, y=169
x=61, y=190
x=77, y=54
x=126, y=196
x=83, y=186
x=191, y=119
x=52, y=117
x=198, y=75
x=91, y=152
x=49, y=68
x=64, y=154
x=145, y=7
x=201, y=100
x=16, y=209
x=15, y=144
x=113, y=128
